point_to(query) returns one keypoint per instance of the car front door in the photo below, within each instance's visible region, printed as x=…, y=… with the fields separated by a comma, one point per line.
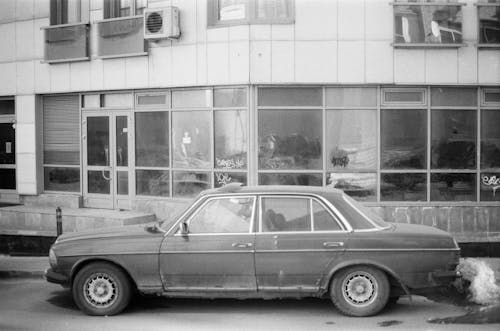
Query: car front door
x=298, y=242
x=217, y=252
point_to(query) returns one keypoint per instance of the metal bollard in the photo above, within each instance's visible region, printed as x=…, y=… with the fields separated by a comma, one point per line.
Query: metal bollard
x=59, y=221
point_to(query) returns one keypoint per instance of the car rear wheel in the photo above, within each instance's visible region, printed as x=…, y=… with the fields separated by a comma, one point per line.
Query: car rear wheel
x=360, y=291
x=101, y=289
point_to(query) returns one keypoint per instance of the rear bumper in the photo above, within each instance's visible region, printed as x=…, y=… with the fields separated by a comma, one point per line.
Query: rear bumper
x=442, y=277
x=56, y=278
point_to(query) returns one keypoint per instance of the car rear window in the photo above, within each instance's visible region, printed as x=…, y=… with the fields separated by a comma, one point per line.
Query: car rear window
x=359, y=216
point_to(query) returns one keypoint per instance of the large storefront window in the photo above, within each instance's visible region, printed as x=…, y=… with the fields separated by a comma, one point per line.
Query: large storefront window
x=489, y=22
x=377, y=144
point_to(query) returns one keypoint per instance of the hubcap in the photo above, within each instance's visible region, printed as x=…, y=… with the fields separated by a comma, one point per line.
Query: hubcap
x=100, y=290
x=359, y=288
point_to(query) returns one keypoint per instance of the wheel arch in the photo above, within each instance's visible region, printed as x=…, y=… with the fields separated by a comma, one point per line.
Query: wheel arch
x=84, y=262
x=391, y=275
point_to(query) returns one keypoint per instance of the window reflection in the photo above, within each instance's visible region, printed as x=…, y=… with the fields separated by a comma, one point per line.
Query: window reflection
x=227, y=215
x=224, y=178
x=290, y=139
x=151, y=139
x=403, y=187
x=453, y=143
x=490, y=139
x=360, y=186
x=490, y=185
x=189, y=184
x=231, y=139
x=291, y=179
x=191, y=139
x=489, y=24
x=286, y=214
x=403, y=139
x=351, y=138
x=152, y=182
x=428, y=24
x=453, y=187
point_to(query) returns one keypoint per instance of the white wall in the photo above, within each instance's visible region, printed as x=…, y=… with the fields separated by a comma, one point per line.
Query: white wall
x=332, y=41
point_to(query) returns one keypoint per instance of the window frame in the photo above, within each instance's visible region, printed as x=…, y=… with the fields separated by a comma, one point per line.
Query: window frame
x=10, y=119
x=198, y=208
x=250, y=17
x=259, y=230
x=480, y=4
x=423, y=3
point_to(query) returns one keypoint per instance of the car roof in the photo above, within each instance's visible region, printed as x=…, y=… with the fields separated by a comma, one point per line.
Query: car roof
x=269, y=189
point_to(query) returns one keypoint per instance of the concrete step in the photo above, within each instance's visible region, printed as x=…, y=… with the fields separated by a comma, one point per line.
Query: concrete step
x=40, y=221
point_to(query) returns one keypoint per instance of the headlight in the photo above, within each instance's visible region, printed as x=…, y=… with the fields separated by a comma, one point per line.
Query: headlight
x=52, y=258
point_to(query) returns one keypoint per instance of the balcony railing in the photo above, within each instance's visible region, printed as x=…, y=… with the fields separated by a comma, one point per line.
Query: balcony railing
x=119, y=37
x=66, y=43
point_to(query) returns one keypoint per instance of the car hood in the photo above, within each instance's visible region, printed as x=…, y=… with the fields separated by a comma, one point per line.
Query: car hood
x=112, y=232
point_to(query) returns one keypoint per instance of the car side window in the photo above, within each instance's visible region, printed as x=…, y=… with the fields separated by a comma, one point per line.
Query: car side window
x=323, y=220
x=286, y=214
x=223, y=215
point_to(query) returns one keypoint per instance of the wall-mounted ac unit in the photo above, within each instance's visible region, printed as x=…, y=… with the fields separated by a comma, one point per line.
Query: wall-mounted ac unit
x=161, y=23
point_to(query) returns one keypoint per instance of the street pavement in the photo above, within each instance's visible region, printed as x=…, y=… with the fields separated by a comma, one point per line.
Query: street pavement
x=33, y=304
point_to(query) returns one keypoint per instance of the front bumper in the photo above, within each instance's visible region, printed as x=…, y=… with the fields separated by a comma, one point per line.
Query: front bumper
x=55, y=277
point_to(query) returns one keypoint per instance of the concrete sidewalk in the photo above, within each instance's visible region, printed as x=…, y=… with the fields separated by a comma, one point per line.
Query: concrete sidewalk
x=23, y=266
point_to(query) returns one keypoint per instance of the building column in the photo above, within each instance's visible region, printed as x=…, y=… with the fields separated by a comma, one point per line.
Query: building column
x=26, y=145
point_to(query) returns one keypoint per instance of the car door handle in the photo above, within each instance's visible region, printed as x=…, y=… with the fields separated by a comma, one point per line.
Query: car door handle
x=333, y=244
x=242, y=245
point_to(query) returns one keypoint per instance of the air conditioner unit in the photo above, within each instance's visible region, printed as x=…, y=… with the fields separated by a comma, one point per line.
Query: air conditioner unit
x=161, y=23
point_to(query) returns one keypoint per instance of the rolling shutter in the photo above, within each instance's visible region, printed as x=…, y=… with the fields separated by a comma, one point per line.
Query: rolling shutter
x=61, y=130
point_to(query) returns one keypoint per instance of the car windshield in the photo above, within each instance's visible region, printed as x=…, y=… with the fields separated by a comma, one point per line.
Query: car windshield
x=366, y=212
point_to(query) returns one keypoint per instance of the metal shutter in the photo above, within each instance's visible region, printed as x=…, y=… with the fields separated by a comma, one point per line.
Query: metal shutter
x=61, y=130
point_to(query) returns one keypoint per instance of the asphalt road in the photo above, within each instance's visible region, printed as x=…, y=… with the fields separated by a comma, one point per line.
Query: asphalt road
x=33, y=304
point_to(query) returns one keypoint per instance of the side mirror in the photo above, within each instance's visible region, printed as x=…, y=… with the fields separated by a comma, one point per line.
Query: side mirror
x=183, y=228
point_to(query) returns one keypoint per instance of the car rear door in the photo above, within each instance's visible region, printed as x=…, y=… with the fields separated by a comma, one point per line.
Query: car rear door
x=217, y=255
x=298, y=241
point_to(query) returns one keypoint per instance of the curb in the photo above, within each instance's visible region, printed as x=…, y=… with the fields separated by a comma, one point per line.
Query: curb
x=14, y=274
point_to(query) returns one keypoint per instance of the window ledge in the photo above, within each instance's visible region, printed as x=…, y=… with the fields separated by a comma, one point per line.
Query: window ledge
x=115, y=56
x=79, y=59
x=488, y=46
x=424, y=45
x=48, y=27
x=117, y=19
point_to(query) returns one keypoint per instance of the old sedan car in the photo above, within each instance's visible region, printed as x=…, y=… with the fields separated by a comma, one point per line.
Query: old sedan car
x=257, y=242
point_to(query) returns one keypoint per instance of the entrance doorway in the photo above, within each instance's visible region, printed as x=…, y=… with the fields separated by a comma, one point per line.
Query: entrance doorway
x=106, y=161
x=7, y=149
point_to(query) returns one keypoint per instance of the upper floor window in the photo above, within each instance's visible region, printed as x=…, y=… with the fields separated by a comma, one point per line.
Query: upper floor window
x=233, y=12
x=489, y=22
x=65, y=12
x=424, y=23
x=123, y=8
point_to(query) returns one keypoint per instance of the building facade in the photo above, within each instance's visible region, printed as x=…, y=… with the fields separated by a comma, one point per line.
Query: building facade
x=110, y=104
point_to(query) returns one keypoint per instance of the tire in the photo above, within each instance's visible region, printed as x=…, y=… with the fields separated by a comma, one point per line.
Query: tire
x=101, y=289
x=360, y=291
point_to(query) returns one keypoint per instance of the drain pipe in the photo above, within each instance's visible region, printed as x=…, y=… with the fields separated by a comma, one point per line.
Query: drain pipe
x=59, y=221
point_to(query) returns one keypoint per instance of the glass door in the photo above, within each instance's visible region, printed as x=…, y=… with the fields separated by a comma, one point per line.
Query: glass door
x=106, y=160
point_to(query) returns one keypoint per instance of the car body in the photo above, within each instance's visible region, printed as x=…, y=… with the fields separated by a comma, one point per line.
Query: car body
x=258, y=242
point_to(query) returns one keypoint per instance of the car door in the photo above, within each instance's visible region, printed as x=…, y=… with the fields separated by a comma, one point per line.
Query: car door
x=298, y=242
x=217, y=253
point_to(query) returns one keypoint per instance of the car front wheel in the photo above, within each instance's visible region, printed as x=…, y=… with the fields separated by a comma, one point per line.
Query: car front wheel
x=101, y=289
x=360, y=291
